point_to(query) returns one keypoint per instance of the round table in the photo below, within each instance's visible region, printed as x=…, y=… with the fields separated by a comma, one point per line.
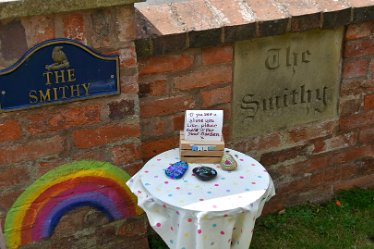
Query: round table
x=192, y=214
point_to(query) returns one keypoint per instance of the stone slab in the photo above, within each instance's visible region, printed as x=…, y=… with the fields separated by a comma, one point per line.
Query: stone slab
x=21, y=8
x=286, y=80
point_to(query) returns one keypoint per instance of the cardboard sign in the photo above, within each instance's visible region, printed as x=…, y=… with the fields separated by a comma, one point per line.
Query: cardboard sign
x=203, y=125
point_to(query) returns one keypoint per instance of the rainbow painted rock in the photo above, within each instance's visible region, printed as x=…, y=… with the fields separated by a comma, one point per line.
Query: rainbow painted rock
x=228, y=162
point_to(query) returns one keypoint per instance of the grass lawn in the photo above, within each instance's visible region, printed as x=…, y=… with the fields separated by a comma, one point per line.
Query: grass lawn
x=346, y=222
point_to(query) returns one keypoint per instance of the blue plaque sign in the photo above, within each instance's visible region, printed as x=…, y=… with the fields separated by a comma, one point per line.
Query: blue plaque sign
x=57, y=71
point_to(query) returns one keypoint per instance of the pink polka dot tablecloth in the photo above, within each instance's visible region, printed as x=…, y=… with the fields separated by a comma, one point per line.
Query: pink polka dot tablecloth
x=192, y=214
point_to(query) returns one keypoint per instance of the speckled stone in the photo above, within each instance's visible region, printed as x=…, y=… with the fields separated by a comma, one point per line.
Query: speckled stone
x=39, y=7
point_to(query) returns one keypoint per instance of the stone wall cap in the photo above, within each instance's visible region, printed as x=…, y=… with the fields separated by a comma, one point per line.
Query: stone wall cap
x=196, y=23
x=21, y=8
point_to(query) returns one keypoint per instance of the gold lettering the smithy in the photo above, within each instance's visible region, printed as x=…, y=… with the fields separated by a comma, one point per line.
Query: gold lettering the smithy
x=33, y=98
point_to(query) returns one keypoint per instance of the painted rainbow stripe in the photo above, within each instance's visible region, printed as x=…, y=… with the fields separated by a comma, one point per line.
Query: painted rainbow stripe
x=37, y=211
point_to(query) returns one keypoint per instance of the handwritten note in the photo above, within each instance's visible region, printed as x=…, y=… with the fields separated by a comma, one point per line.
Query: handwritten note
x=205, y=125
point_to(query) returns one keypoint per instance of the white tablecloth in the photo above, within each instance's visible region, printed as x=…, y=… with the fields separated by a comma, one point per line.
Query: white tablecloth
x=191, y=214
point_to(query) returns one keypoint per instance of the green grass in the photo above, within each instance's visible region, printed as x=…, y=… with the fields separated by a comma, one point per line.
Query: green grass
x=313, y=226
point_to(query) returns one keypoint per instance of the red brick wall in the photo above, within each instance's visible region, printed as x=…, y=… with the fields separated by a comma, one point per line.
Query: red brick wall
x=36, y=140
x=308, y=162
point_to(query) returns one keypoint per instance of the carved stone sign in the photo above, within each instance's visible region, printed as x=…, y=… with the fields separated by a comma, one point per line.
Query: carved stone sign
x=57, y=71
x=286, y=80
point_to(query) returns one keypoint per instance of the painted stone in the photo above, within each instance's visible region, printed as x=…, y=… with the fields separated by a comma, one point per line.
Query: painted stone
x=176, y=170
x=228, y=162
x=205, y=173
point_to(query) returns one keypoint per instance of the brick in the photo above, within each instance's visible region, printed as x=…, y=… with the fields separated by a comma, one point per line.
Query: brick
x=337, y=18
x=178, y=122
x=206, y=38
x=358, y=31
x=195, y=15
x=126, y=154
x=9, y=33
x=295, y=186
x=299, y=8
x=39, y=28
x=350, y=155
x=358, y=48
x=353, y=69
x=133, y=168
x=230, y=14
x=313, y=164
x=362, y=14
x=10, y=130
x=306, y=22
x=167, y=63
x=360, y=3
x=356, y=87
x=332, y=174
x=32, y=150
x=127, y=57
x=47, y=164
x=239, y=32
x=304, y=15
x=129, y=84
x=336, y=143
x=216, y=96
x=153, y=88
x=266, y=142
x=126, y=26
x=273, y=27
x=311, y=132
x=283, y=155
x=154, y=127
x=74, y=26
x=151, y=148
x=347, y=171
x=165, y=106
x=273, y=205
x=226, y=132
x=64, y=119
x=13, y=176
x=356, y=121
x=360, y=167
x=317, y=179
x=8, y=198
x=331, y=6
x=349, y=107
x=71, y=223
x=170, y=44
x=104, y=31
x=366, y=135
x=94, y=217
x=217, y=55
x=363, y=181
x=265, y=10
x=133, y=227
x=144, y=47
x=121, y=109
x=163, y=17
x=204, y=77
x=91, y=154
x=369, y=102
x=88, y=138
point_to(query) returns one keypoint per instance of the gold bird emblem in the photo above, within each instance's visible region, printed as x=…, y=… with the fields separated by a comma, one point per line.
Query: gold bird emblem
x=60, y=59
